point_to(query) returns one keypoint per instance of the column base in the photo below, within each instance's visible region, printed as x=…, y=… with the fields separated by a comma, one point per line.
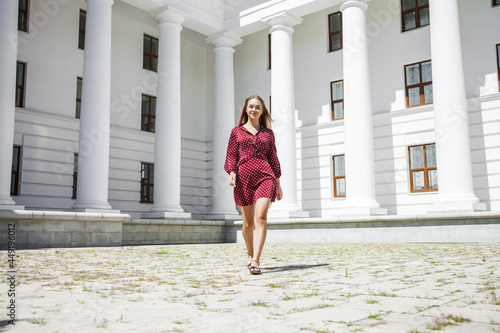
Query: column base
x=11, y=207
x=456, y=207
x=360, y=211
x=95, y=210
x=286, y=211
x=166, y=215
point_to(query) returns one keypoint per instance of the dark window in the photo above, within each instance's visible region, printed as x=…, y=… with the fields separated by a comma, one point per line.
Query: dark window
x=418, y=82
x=150, y=53
x=22, y=16
x=81, y=29
x=75, y=175
x=495, y=2
x=147, y=182
x=148, y=113
x=423, y=168
x=20, y=83
x=335, y=31
x=269, y=51
x=414, y=14
x=337, y=99
x=16, y=167
x=498, y=64
x=338, y=176
x=78, y=97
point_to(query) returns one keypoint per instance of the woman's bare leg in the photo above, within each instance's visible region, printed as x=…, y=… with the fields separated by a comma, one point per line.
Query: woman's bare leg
x=247, y=212
x=260, y=221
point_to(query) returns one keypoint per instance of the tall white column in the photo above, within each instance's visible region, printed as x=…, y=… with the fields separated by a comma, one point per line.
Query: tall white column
x=93, y=147
x=8, y=60
x=283, y=111
x=224, y=120
x=450, y=111
x=358, y=132
x=167, y=171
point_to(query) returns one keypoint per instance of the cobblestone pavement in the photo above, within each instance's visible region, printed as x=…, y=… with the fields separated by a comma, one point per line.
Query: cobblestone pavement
x=303, y=288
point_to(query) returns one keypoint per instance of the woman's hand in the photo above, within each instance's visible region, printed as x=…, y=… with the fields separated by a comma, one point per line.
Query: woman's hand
x=232, y=179
x=279, y=191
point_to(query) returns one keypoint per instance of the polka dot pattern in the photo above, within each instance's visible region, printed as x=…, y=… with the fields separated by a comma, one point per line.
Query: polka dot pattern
x=254, y=160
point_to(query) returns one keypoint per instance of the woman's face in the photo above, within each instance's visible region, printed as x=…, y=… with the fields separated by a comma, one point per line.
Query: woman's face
x=254, y=109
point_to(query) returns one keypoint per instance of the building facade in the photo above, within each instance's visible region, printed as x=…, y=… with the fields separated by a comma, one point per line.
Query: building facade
x=381, y=107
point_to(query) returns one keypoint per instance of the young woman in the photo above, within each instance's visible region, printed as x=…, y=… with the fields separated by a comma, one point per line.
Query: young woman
x=254, y=172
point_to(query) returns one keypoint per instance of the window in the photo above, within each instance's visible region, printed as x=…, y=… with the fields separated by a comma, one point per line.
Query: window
x=335, y=31
x=150, y=56
x=418, y=79
x=423, y=168
x=22, y=16
x=79, y=81
x=414, y=14
x=269, y=51
x=81, y=29
x=498, y=64
x=338, y=176
x=147, y=182
x=148, y=113
x=337, y=99
x=16, y=167
x=495, y=3
x=75, y=175
x=20, y=78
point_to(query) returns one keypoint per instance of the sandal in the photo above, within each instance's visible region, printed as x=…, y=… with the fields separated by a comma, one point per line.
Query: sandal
x=255, y=270
x=250, y=263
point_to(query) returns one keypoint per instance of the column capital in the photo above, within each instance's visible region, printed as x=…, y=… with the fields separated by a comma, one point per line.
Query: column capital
x=353, y=3
x=169, y=14
x=282, y=19
x=224, y=39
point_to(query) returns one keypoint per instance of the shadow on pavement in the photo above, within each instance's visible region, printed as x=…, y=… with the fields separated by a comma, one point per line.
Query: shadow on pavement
x=266, y=270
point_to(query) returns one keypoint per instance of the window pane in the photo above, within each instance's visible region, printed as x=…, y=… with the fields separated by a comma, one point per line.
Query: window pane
x=339, y=164
x=79, y=88
x=15, y=159
x=433, y=179
x=78, y=110
x=23, y=4
x=412, y=74
x=334, y=22
x=418, y=181
x=151, y=174
x=337, y=91
x=408, y=4
x=20, y=22
x=20, y=74
x=81, y=40
x=338, y=112
x=147, y=44
x=428, y=94
x=426, y=71
x=145, y=61
x=340, y=187
x=414, y=96
x=430, y=156
x=153, y=106
x=335, y=42
x=409, y=21
x=145, y=105
x=151, y=194
x=417, y=157
x=155, y=64
x=498, y=53
x=424, y=16
x=155, y=46
x=152, y=125
x=83, y=19
x=423, y=2
x=13, y=185
x=144, y=124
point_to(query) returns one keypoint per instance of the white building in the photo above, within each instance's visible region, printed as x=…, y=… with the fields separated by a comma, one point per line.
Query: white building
x=408, y=83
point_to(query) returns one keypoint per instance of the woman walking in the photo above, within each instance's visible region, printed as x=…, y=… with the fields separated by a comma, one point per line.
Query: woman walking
x=254, y=172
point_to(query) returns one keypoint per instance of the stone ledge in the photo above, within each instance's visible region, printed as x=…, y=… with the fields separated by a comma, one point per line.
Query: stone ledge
x=64, y=216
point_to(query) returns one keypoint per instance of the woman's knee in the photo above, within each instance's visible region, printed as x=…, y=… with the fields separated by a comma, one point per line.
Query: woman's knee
x=260, y=221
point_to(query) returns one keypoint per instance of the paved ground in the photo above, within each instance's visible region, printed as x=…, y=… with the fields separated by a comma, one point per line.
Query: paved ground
x=305, y=288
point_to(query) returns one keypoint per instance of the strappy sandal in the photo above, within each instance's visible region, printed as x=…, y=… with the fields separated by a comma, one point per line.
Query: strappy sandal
x=250, y=263
x=255, y=270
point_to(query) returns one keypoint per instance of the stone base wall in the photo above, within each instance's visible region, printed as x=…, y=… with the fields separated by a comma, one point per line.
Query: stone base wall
x=150, y=232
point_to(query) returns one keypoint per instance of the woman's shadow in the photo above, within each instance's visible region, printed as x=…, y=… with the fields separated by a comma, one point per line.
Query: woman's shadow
x=277, y=269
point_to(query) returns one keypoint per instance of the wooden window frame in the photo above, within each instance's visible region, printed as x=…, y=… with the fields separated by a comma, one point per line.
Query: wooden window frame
x=81, y=32
x=151, y=55
x=148, y=115
x=425, y=170
x=337, y=177
x=336, y=32
x=22, y=85
x=78, y=100
x=416, y=9
x=420, y=85
x=498, y=64
x=24, y=13
x=333, y=102
x=16, y=171
x=147, y=197
x=75, y=175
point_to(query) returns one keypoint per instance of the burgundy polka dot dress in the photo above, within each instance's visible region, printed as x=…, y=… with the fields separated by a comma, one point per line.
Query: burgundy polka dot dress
x=254, y=160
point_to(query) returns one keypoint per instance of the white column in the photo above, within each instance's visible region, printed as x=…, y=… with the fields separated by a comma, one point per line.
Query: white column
x=167, y=171
x=224, y=120
x=283, y=111
x=93, y=146
x=450, y=111
x=358, y=132
x=8, y=60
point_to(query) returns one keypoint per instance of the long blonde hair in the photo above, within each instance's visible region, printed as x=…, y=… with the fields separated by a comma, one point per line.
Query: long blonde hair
x=265, y=119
